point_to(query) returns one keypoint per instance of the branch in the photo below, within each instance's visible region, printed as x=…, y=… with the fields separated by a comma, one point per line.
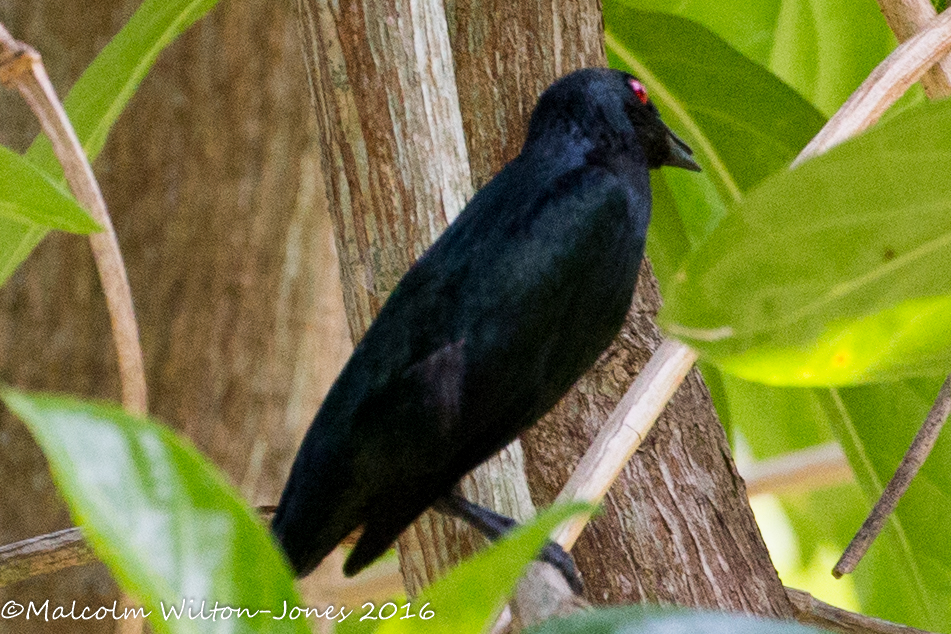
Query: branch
x=62, y=549
x=624, y=431
x=889, y=81
x=22, y=68
x=907, y=17
x=811, y=611
x=911, y=462
x=44, y=554
x=804, y=470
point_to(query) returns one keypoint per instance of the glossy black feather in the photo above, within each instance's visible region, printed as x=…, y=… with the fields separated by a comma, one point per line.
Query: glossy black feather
x=488, y=329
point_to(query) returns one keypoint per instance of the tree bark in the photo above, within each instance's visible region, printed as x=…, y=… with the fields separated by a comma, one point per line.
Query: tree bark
x=212, y=180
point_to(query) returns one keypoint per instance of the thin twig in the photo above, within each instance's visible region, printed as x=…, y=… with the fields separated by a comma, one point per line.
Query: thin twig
x=63, y=549
x=811, y=611
x=44, y=554
x=911, y=463
x=907, y=17
x=889, y=81
x=804, y=470
x=22, y=69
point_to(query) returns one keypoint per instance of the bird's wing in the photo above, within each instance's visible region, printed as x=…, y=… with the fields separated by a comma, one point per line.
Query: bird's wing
x=465, y=353
x=543, y=295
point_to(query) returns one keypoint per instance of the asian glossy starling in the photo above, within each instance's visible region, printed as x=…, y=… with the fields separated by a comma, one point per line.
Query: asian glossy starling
x=493, y=324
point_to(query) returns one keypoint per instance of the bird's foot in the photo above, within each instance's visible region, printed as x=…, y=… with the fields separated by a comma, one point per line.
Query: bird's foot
x=494, y=525
x=558, y=557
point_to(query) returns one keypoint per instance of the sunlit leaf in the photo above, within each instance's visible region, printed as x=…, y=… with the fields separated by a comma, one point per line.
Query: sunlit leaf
x=833, y=273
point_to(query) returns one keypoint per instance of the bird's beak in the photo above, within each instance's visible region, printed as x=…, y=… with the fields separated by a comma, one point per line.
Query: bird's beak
x=680, y=154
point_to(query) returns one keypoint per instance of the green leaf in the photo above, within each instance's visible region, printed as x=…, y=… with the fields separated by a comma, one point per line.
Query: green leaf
x=30, y=203
x=776, y=421
x=739, y=118
x=29, y=196
x=161, y=517
x=17, y=241
x=822, y=48
x=468, y=599
x=100, y=95
x=652, y=620
x=833, y=273
x=740, y=135
x=93, y=105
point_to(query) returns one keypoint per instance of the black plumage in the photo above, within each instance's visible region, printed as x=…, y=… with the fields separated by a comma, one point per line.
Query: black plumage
x=490, y=327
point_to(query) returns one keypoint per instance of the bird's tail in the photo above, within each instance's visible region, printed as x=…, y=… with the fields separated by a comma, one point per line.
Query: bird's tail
x=305, y=530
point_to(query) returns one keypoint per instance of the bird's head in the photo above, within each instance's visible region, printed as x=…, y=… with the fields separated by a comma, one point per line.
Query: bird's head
x=607, y=106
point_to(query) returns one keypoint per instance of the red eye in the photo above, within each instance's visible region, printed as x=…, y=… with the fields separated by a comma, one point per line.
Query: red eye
x=638, y=89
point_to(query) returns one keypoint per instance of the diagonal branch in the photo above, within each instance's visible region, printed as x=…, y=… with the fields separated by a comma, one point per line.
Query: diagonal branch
x=911, y=462
x=812, y=611
x=907, y=17
x=889, y=81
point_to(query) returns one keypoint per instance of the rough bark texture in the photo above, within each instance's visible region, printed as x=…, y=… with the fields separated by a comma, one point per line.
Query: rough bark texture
x=676, y=526
x=506, y=54
x=212, y=179
x=397, y=171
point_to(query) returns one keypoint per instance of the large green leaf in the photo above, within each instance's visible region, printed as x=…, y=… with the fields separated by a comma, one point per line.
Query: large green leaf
x=163, y=519
x=468, y=599
x=835, y=272
x=652, y=620
x=93, y=105
x=822, y=48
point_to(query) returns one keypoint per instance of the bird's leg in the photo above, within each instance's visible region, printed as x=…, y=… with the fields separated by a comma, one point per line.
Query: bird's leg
x=494, y=525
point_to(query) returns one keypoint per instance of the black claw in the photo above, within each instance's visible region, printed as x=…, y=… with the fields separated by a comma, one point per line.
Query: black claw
x=558, y=557
x=494, y=525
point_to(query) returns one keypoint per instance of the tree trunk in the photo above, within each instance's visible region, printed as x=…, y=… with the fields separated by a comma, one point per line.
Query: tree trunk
x=212, y=179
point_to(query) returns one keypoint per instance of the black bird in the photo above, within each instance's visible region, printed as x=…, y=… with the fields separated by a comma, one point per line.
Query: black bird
x=493, y=324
